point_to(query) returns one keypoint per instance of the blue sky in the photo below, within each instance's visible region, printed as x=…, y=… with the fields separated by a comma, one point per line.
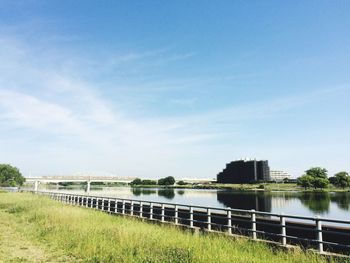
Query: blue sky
x=153, y=88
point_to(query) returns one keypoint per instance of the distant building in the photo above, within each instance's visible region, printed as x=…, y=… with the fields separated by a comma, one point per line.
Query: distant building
x=244, y=171
x=279, y=176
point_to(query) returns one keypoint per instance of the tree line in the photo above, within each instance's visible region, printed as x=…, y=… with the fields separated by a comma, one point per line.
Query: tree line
x=169, y=180
x=317, y=177
x=10, y=176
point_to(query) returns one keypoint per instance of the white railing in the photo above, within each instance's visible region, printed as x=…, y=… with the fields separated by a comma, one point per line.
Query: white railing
x=280, y=228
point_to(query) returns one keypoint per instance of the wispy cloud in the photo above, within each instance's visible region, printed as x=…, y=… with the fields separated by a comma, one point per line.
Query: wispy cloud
x=45, y=95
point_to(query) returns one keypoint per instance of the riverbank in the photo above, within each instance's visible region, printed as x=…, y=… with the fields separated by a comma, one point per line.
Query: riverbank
x=37, y=229
x=287, y=187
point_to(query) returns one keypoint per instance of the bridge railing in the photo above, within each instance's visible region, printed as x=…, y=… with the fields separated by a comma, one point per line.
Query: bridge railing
x=324, y=234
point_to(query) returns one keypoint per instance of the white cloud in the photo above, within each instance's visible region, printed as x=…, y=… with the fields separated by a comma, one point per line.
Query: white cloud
x=28, y=111
x=87, y=131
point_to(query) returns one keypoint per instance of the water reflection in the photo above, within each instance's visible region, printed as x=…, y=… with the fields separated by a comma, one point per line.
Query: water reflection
x=164, y=192
x=330, y=204
x=143, y=191
x=316, y=202
x=180, y=192
x=342, y=200
x=320, y=202
x=240, y=200
x=167, y=193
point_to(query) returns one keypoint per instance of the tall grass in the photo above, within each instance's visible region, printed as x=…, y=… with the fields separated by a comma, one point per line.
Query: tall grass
x=93, y=236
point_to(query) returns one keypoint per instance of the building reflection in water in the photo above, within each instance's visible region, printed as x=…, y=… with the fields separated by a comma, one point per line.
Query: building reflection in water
x=317, y=202
x=247, y=201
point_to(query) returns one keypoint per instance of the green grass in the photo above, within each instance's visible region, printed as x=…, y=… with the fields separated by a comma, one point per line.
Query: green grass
x=37, y=229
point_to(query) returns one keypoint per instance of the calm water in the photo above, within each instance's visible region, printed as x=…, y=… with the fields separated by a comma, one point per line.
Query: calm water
x=332, y=205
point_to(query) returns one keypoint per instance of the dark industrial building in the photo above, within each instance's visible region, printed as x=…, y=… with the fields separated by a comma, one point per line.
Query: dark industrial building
x=244, y=171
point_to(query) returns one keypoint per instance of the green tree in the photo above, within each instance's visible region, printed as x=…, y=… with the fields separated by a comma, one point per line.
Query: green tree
x=10, y=176
x=317, y=172
x=341, y=179
x=149, y=182
x=305, y=181
x=136, y=181
x=320, y=182
x=181, y=183
x=316, y=177
x=333, y=180
x=167, y=181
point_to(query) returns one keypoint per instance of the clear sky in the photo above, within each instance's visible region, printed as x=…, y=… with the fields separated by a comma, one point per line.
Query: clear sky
x=180, y=88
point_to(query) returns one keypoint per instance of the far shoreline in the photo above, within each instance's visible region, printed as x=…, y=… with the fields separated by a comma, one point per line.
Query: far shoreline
x=261, y=187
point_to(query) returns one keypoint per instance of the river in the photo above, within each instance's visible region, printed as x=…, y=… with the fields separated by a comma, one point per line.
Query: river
x=334, y=205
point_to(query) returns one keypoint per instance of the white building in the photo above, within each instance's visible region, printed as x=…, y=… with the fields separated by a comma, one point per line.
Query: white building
x=279, y=175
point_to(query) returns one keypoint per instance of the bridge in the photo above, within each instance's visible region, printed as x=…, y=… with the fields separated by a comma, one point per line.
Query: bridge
x=74, y=179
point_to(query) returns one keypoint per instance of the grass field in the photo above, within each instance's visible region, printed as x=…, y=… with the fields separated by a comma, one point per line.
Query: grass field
x=37, y=229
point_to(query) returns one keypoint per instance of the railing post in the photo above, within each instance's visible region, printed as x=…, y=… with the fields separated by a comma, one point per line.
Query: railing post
x=283, y=230
x=229, y=222
x=163, y=211
x=141, y=204
x=191, y=216
x=123, y=207
x=36, y=186
x=86, y=201
x=319, y=234
x=209, y=219
x=253, y=218
x=151, y=211
x=132, y=208
x=176, y=215
x=109, y=205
